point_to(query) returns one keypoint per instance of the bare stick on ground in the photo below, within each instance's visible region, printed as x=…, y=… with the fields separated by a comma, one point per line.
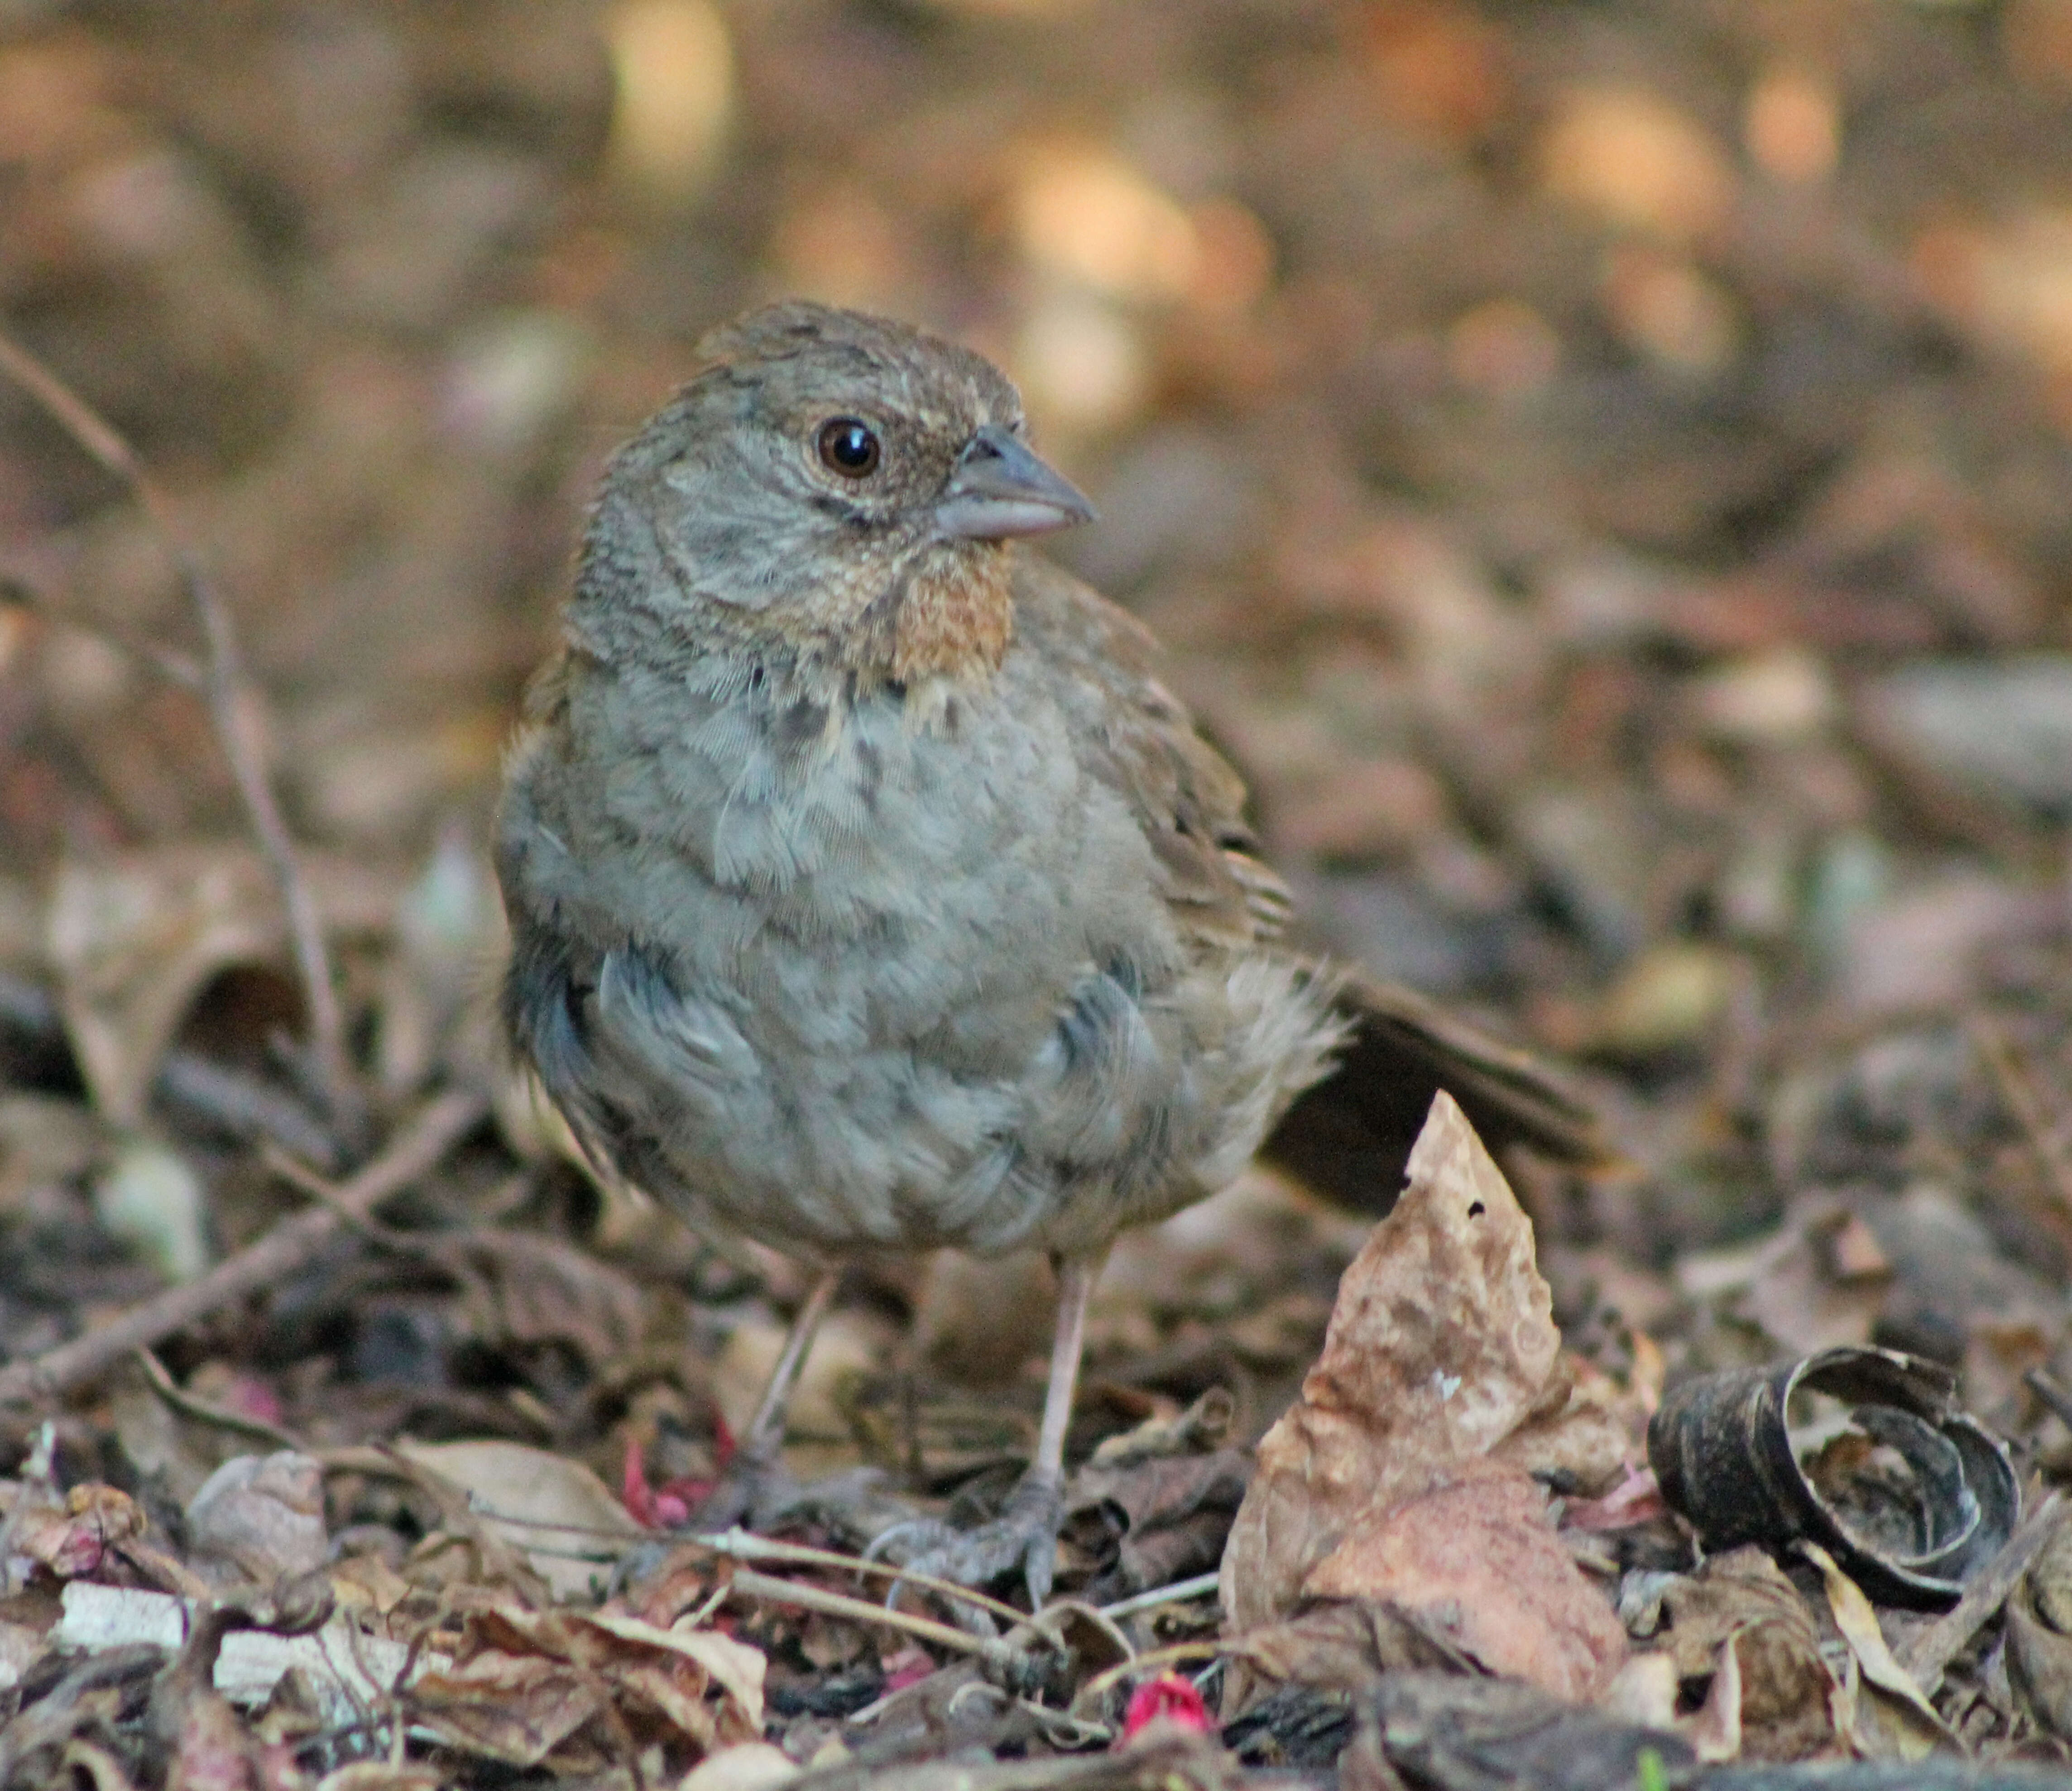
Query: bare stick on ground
x=271, y=1259
x=234, y=708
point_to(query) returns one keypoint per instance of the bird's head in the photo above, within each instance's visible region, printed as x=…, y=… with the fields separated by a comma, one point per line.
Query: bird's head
x=832, y=486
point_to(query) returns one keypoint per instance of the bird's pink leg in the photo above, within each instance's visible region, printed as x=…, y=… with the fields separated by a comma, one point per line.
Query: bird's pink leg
x=1075, y=1292
x=1025, y=1534
x=756, y=1468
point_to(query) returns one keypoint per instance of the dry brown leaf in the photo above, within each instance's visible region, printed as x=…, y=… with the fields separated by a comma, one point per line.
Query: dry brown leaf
x=547, y=1506
x=2039, y=1647
x=1478, y=1560
x=516, y=1708
x=366, y=1586
x=1907, y=1725
x=74, y=1540
x=1785, y=1707
x=1587, y=1434
x=1338, y=1644
x=1814, y=1286
x=1441, y=1346
x=260, y=1515
x=1177, y=1510
x=523, y=1289
x=527, y=1684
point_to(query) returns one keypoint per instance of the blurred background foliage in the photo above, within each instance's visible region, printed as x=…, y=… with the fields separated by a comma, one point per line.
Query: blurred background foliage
x=1602, y=468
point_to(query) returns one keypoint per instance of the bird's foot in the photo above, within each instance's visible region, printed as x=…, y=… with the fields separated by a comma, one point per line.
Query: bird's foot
x=1023, y=1538
x=753, y=1491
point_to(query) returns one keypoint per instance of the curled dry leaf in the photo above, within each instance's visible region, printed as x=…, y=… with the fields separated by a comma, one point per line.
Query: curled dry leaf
x=74, y=1540
x=526, y=1290
x=1894, y=1706
x=580, y=1687
x=1176, y=1513
x=1739, y=1614
x=1175, y=1488
x=2039, y=1635
x=262, y=1516
x=555, y=1511
x=1441, y=1350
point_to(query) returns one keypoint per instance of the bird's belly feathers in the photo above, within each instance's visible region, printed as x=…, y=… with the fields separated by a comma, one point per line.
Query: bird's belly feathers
x=898, y=990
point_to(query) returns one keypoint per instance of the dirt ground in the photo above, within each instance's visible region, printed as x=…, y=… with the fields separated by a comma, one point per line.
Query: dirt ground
x=1603, y=471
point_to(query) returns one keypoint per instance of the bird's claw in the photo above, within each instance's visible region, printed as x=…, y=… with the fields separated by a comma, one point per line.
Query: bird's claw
x=751, y=1491
x=1023, y=1538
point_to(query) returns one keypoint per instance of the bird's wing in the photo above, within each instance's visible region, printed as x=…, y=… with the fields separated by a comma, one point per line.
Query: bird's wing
x=1141, y=741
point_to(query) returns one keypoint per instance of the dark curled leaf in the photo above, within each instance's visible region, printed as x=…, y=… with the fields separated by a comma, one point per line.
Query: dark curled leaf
x=1911, y=1499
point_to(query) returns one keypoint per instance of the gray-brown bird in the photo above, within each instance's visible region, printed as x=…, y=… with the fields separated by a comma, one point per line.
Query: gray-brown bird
x=868, y=891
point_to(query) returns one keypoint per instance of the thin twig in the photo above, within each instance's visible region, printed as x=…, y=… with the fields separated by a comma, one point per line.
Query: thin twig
x=281, y=1252
x=738, y=1544
x=326, y=1192
x=176, y=1396
x=1157, y=1660
x=1178, y=1593
x=233, y=708
x=752, y=1584
x=242, y=1106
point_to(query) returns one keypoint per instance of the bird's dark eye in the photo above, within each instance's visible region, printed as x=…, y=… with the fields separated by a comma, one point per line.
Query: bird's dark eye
x=849, y=447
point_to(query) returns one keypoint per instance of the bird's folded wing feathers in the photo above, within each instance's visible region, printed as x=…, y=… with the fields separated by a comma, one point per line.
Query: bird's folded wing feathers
x=1141, y=741
x=1349, y=1136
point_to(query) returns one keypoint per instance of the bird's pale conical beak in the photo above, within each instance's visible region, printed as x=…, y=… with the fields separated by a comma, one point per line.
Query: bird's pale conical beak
x=1000, y=489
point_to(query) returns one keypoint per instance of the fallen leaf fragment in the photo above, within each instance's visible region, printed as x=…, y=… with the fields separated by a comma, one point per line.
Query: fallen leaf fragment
x=134, y=937
x=1921, y=1729
x=1738, y=1615
x=1399, y=1481
x=75, y=1539
x=347, y=1670
x=1636, y=1500
x=551, y=1509
x=752, y=1766
x=575, y=1686
x=1479, y=1560
x=262, y=1516
x=1439, y=1344
x=1341, y=1645
x=2039, y=1634
x=1439, y=1729
x=1176, y=1511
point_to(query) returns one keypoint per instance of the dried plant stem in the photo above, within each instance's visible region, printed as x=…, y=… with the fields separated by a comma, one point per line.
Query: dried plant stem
x=1178, y=1593
x=281, y=1252
x=234, y=708
x=201, y=1411
x=749, y=1584
x=738, y=1545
